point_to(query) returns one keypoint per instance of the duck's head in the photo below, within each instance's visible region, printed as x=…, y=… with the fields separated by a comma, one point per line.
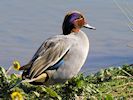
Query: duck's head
x=73, y=21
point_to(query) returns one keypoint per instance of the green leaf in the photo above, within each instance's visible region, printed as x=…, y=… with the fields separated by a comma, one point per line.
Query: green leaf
x=80, y=83
x=52, y=93
x=108, y=97
x=13, y=76
x=2, y=72
x=36, y=93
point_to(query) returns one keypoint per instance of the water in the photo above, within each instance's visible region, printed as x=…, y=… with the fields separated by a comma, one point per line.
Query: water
x=25, y=24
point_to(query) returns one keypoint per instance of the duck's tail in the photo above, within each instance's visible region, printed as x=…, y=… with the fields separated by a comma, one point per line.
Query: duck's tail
x=21, y=81
x=25, y=67
x=41, y=78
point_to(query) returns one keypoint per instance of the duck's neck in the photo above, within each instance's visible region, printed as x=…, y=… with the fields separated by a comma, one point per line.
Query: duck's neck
x=75, y=30
x=81, y=35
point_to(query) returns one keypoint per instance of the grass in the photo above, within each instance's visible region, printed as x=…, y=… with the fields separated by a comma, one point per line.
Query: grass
x=107, y=84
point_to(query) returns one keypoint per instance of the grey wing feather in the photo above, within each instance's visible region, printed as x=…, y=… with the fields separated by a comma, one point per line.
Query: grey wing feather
x=48, y=54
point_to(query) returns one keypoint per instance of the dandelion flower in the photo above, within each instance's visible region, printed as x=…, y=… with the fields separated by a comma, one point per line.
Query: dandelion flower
x=16, y=65
x=16, y=96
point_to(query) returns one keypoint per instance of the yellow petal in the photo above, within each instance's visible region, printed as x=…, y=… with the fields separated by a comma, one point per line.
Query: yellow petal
x=16, y=65
x=16, y=96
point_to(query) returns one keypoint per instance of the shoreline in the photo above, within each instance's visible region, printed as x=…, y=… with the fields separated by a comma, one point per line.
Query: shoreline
x=108, y=84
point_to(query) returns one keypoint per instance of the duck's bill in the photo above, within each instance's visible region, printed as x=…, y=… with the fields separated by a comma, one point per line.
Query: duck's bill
x=89, y=27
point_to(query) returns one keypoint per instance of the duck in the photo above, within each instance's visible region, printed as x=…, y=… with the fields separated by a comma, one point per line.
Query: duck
x=60, y=57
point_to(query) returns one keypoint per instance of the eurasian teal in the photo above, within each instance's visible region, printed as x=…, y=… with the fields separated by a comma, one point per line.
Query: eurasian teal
x=60, y=57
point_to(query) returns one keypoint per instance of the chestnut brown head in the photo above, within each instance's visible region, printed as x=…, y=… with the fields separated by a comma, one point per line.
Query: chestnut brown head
x=73, y=21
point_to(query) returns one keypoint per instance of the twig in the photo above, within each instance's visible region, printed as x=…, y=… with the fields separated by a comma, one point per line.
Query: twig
x=124, y=13
x=120, y=77
x=130, y=27
x=129, y=45
x=119, y=86
x=8, y=70
x=129, y=7
x=130, y=83
x=126, y=72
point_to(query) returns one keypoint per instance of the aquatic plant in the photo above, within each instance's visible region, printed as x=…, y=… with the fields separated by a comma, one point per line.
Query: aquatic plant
x=107, y=84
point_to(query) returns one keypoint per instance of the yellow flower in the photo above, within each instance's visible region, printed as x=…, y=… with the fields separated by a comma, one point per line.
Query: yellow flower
x=16, y=65
x=16, y=96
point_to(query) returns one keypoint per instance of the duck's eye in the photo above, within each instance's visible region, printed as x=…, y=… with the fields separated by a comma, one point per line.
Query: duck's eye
x=78, y=17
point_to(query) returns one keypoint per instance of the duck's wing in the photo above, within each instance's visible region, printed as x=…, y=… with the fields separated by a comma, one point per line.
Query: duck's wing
x=50, y=52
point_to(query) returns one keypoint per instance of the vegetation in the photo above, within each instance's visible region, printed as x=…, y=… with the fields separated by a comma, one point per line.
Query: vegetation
x=108, y=84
